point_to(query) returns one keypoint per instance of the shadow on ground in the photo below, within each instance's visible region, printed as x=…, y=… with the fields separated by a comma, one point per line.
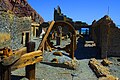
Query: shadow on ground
x=86, y=52
x=16, y=77
x=61, y=65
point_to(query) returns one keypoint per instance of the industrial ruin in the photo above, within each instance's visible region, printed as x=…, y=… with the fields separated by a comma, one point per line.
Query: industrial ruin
x=67, y=49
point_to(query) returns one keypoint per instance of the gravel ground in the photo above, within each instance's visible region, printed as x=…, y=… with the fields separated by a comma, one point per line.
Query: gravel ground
x=115, y=67
x=83, y=71
x=48, y=72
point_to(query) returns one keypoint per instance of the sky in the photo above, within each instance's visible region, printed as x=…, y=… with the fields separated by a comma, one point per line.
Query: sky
x=79, y=10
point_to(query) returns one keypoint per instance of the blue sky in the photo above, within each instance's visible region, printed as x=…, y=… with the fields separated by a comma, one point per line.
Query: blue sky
x=82, y=10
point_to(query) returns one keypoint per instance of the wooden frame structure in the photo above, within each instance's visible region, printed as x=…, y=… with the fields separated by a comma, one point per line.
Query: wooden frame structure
x=24, y=57
x=46, y=41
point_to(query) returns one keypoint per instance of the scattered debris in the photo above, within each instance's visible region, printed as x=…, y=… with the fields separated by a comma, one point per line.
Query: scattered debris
x=99, y=69
x=55, y=60
x=108, y=77
x=106, y=62
x=58, y=54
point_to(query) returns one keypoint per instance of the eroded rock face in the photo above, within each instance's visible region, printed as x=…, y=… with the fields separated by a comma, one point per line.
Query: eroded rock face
x=106, y=35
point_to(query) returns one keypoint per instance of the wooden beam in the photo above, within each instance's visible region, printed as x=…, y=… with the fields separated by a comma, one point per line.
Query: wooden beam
x=73, y=46
x=28, y=59
x=46, y=35
x=14, y=57
x=99, y=69
x=35, y=24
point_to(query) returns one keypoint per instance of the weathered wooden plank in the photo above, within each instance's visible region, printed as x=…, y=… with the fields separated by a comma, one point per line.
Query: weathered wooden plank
x=99, y=69
x=28, y=59
x=35, y=24
x=109, y=77
x=106, y=62
x=46, y=35
x=14, y=57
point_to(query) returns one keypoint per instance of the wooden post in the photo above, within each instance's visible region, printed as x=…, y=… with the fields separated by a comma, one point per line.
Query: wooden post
x=80, y=31
x=73, y=46
x=58, y=40
x=59, y=35
x=27, y=38
x=5, y=72
x=45, y=45
x=33, y=31
x=30, y=69
x=22, y=41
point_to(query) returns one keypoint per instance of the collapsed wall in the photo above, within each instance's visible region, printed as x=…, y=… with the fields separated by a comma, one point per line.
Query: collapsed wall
x=107, y=36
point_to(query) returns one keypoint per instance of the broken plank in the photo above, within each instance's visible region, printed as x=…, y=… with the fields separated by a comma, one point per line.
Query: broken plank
x=106, y=62
x=14, y=57
x=99, y=69
x=46, y=35
x=28, y=59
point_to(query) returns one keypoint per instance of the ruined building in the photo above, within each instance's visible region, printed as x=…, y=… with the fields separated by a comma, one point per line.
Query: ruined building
x=59, y=16
x=18, y=20
x=104, y=32
x=107, y=36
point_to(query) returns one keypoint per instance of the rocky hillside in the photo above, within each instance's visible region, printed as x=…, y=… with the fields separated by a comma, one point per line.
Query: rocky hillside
x=20, y=8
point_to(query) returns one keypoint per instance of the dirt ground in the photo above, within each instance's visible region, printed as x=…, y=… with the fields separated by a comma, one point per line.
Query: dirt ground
x=82, y=72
